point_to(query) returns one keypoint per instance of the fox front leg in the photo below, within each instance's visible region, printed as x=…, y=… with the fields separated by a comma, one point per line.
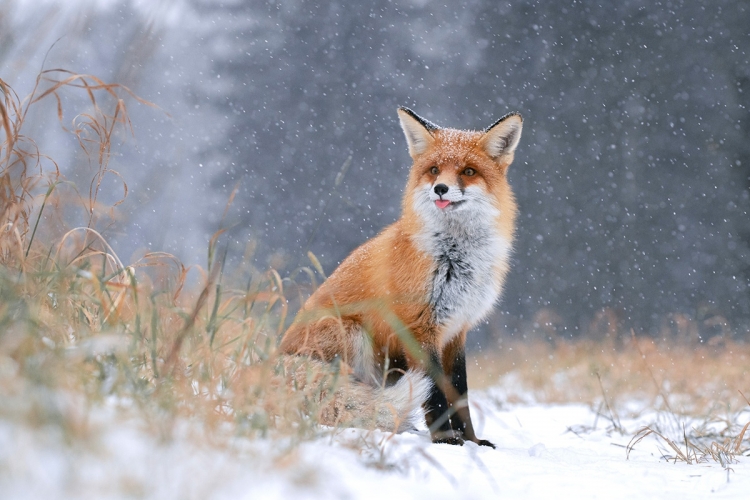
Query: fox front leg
x=437, y=409
x=454, y=361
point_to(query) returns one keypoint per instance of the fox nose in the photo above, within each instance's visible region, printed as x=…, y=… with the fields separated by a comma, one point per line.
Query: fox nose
x=441, y=189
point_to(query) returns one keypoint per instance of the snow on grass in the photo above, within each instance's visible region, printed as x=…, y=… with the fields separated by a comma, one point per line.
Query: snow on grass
x=543, y=451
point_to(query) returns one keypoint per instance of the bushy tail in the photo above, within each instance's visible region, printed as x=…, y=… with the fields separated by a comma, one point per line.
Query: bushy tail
x=393, y=409
x=345, y=401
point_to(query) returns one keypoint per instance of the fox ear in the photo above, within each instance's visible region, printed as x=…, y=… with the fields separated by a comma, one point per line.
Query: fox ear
x=417, y=130
x=501, y=138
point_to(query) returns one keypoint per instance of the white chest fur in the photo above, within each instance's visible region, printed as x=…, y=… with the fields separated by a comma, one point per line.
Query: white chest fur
x=467, y=251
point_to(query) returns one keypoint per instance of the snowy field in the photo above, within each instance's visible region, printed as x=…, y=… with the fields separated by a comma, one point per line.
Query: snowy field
x=543, y=451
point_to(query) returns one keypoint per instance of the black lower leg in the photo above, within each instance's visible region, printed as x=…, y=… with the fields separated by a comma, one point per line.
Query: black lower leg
x=461, y=417
x=437, y=410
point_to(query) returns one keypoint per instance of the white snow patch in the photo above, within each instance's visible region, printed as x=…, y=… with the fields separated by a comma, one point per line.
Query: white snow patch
x=543, y=451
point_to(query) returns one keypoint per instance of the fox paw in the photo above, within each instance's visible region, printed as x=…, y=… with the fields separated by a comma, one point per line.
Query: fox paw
x=484, y=442
x=454, y=440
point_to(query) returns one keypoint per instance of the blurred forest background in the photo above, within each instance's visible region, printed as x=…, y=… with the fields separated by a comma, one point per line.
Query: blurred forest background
x=633, y=173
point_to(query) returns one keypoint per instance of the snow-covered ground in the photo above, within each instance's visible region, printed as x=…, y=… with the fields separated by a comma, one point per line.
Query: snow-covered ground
x=543, y=451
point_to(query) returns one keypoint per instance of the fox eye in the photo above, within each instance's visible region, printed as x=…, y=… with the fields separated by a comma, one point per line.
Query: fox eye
x=434, y=171
x=469, y=172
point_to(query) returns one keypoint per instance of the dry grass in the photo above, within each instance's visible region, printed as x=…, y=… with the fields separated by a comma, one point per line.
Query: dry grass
x=636, y=368
x=697, y=448
x=77, y=326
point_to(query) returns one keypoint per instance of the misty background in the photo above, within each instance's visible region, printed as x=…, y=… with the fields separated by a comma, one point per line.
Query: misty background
x=632, y=175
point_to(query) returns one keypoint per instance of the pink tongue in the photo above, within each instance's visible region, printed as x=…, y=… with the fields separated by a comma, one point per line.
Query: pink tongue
x=442, y=203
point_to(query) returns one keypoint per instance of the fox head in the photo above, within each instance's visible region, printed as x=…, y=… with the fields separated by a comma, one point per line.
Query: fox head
x=461, y=175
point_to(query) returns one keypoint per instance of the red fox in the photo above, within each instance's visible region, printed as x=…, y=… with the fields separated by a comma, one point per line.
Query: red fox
x=397, y=310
